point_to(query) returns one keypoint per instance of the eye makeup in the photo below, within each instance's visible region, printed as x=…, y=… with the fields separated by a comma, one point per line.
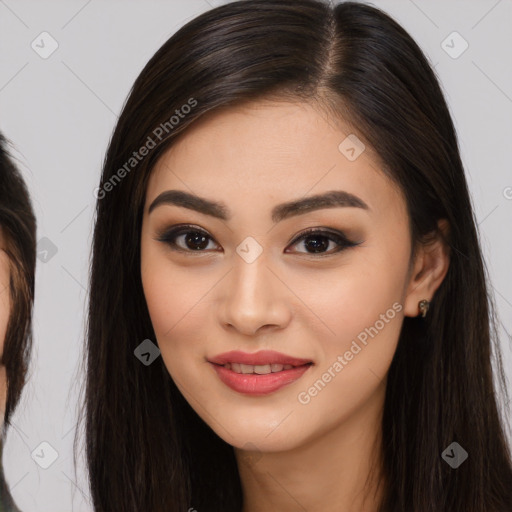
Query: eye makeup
x=196, y=240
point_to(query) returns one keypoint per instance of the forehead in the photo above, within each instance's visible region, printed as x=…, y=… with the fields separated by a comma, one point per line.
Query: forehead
x=270, y=150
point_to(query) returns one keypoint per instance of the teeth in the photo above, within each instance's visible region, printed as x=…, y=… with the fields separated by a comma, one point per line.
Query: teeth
x=247, y=368
x=263, y=369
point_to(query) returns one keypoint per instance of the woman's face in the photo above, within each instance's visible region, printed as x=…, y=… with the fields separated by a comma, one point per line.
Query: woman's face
x=4, y=318
x=247, y=282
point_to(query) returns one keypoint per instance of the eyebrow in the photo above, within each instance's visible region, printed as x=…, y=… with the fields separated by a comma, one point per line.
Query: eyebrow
x=331, y=199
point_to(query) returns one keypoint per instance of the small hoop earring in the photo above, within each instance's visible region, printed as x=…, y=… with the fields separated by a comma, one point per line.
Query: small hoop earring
x=424, y=305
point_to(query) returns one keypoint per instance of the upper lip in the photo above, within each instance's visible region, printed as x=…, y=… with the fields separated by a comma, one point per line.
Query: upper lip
x=257, y=358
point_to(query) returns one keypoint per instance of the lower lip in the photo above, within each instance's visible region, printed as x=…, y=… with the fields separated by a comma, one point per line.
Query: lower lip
x=254, y=384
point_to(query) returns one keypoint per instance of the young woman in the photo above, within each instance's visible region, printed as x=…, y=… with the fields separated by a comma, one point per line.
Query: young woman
x=288, y=302
x=17, y=271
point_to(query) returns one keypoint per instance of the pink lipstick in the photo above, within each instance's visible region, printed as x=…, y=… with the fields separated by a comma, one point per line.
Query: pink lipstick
x=259, y=373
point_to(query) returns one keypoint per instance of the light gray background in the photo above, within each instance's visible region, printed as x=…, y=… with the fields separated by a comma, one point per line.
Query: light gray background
x=60, y=112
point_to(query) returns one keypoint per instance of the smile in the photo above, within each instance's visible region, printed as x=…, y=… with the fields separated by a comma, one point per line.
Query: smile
x=264, y=369
x=258, y=373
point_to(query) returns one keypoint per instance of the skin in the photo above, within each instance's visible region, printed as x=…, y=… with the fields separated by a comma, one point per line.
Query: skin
x=291, y=456
x=4, y=316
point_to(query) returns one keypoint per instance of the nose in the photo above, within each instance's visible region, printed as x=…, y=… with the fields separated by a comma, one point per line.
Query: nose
x=254, y=298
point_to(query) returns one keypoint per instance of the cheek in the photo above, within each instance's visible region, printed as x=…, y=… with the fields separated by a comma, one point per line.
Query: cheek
x=353, y=297
x=5, y=307
x=175, y=296
x=355, y=362
x=4, y=315
x=4, y=297
x=361, y=304
x=177, y=300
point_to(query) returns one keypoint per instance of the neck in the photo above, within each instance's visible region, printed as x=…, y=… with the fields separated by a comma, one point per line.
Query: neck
x=340, y=469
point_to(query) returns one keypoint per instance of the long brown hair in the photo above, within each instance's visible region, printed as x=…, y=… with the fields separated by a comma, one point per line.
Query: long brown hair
x=18, y=225
x=146, y=448
x=19, y=230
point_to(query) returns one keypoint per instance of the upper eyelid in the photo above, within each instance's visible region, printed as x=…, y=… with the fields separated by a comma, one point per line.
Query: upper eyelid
x=183, y=228
x=179, y=230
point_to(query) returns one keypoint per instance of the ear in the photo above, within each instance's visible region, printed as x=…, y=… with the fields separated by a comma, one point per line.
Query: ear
x=429, y=269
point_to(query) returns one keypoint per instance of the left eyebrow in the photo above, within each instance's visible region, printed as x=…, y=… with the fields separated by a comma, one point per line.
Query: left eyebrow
x=331, y=199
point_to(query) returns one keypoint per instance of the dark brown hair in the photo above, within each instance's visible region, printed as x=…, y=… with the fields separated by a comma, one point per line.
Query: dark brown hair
x=146, y=448
x=19, y=229
x=18, y=225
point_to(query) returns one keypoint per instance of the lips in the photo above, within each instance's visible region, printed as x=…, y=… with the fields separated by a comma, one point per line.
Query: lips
x=259, y=373
x=261, y=358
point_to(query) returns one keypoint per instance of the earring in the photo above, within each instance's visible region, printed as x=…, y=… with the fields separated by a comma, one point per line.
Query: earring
x=424, y=305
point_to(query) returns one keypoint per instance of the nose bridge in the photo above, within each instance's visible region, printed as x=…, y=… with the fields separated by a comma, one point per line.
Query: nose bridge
x=254, y=296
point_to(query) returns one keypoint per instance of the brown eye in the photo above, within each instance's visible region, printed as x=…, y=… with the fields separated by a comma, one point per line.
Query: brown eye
x=194, y=239
x=317, y=241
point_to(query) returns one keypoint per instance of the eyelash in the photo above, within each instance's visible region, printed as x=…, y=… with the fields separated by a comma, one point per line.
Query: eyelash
x=343, y=242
